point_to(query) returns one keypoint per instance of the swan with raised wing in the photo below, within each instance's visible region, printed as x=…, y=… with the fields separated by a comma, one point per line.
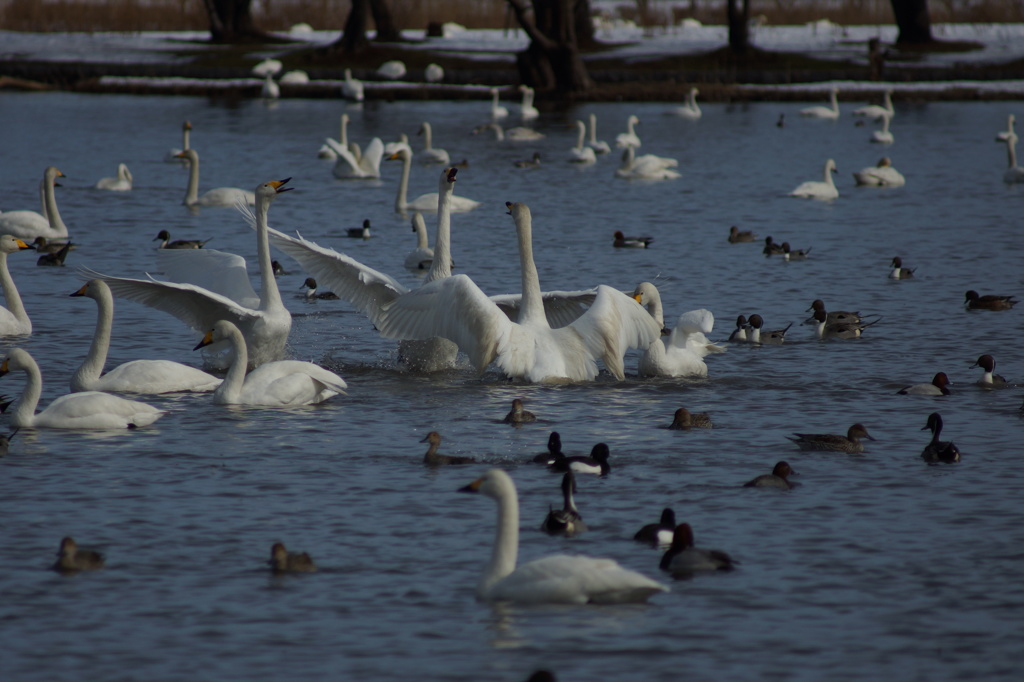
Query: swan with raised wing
x=213, y=285
x=683, y=352
x=426, y=203
x=355, y=164
x=281, y=383
x=13, y=319
x=830, y=112
x=221, y=196
x=89, y=410
x=555, y=579
x=689, y=110
x=823, y=189
x=28, y=225
x=528, y=349
x=137, y=376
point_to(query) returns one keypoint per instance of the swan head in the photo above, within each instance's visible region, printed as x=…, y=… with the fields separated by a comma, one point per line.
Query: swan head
x=831, y=166
x=9, y=244
x=517, y=210
x=94, y=288
x=190, y=155
x=187, y=125
x=495, y=483
x=424, y=127
x=16, y=359
x=632, y=120
x=884, y=162
x=222, y=329
x=403, y=153
x=52, y=172
x=269, y=190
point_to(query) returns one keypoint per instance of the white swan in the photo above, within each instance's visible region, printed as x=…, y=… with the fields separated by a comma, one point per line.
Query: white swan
x=221, y=196
x=497, y=111
x=422, y=256
x=173, y=156
x=556, y=579
x=431, y=154
x=1004, y=135
x=883, y=136
x=516, y=134
x=689, y=110
x=581, y=153
x=392, y=69
x=280, y=384
x=270, y=89
x=646, y=166
x=830, y=112
x=427, y=203
x=527, y=111
x=352, y=88
x=434, y=73
x=224, y=292
x=121, y=183
x=326, y=152
x=875, y=111
x=599, y=146
x=267, y=67
x=628, y=138
x=823, y=189
x=528, y=349
x=28, y=225
x=882, y=175
x=13, y=319
x=683, y=352
x=137, y=376
x=89, y=410
x=353, y=164
x=294, y=77
x=1014, y=174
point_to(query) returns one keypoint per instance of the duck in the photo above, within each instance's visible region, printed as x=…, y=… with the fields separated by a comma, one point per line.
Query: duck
x=599, y=146
x=554, y=451
x=646, y=167
x=55, y=259
x=830, y=112
x=430, y=153
x=529, y=348
x=213, y=285
x=221, y=196
x=875, y=111
x=518, y=415
x=658, y=534
x=352, y=88
x=975, y=301
x=689, y=110
x=739, y=335
x=312, y=294
x=277, y=269
x=898, y=271
x=850, y=443
x=989, y=379
x=766, y=338
x=824, y=329
x=939, y=386
x=790, y=254
x=778, y=478
x=122, y=182
x=270, y=90
x=433, y=458
x=824, y=189
x=581, y=153
x=497, y=111
x=164, y=237
x=532, y=162
x=556, y=579
x=596, y=463
x=883, y=135
x=88, y=410
x=283, y=561
x=621, y=241
x=682, y=352
x=683, y=420
x=422, y=256
x=359, y=232
x=527, y=111
x=628, y=138
x=567, y=520
x=138, y=376
x=42, y=245
x=771, y=248
x=14, y=320
x=425, y=203
x=392, y=69
x=174, y=155
x=880, y=175
x=28, y=225
x=939, y=450
x=841, y=316
x=71, y=560
x=280, y=383
x=683, y=558
x=738, y=236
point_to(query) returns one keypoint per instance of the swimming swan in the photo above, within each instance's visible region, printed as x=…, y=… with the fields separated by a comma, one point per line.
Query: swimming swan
x=581, y=153
x=529, y=348
x=830, y=112
x=646, y=166
x=824, y=189
x=430, y=153
x=28, y=225
x=221, y=196
x=13, y=319
x=352, y=88
x=874, y=111
x=224, y=292
x=89, y=410
x=682, y=353
x=281, y=383
x=426, y=203
x=880, y=175
x=121, y=183
x=137, y=376
x=556, y=579
x=628, y=138
x=422, y=257
x=527, y=111
x=599, y=146
x=883, y=136
x=497, y=111
x=1013, y=174
x=690, y=110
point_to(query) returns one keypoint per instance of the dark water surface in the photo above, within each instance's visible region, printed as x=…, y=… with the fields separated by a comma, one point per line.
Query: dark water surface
x=878, y=566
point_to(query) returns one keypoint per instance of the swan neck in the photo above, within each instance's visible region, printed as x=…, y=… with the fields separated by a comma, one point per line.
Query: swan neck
x=11, y=294
x=270, y=296
x=441, y=266
x=506, y=541
x=427, y=136
x=344, y=131
x=231, y=388
x=593, y=128
x=192, y=191
x=92, y=366
x=1011, y=152
x=532, y=309
x=52, y=214
x=582, y=130
x=401, y=201
x=421, y=236
x=25, y=412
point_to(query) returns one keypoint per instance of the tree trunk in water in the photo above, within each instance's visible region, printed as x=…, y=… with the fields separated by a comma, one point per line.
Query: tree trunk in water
x=738, y=19
x=552, y=62
x=913, y=20
x=231, y=21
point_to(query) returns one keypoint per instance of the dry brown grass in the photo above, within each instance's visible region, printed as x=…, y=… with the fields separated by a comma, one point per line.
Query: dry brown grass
x=279, y=15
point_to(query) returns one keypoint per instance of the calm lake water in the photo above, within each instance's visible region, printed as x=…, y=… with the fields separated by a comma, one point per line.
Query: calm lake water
x=877, y=566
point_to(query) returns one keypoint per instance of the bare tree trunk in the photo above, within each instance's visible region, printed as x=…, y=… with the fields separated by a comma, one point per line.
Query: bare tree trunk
x=552, y=63
x=353, y=40
x=387, y=32
x=739, y=20
x=913, y=20
x=231, y=21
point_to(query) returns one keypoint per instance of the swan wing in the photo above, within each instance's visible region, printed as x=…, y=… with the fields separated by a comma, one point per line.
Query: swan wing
x=290, y=382
x=701, y=321
x=96, y=410
x=562, y=308
x=347, y=165
x=156, y=376
x=614, y=323
x=369, y=162
x=217, y=271
x=565, y=579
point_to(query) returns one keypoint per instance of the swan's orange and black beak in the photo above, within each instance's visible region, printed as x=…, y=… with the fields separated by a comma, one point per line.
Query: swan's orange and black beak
x=21, y=245
x=207, y=339
x=278, y=185
x=509, y=205
x=638, y=298
x=81, y=292
x=473, y=487
x=451, y=174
